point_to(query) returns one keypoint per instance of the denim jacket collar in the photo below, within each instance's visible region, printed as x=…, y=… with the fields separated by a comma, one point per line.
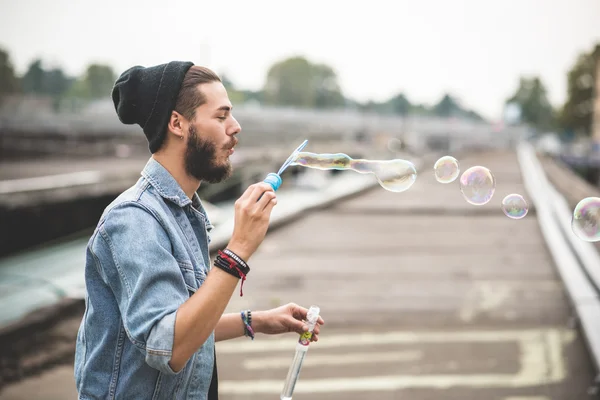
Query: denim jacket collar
x=166, y=185
x=168, y=188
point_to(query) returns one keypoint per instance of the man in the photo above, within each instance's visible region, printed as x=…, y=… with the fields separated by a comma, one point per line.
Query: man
x=154, y=307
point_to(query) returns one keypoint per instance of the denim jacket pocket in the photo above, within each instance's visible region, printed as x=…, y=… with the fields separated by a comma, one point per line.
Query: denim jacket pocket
x=189, y=276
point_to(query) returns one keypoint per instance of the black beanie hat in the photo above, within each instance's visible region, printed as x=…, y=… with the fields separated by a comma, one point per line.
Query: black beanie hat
x=147, y=96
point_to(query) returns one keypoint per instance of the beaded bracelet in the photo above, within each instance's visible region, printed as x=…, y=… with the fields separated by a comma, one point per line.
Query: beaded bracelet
x=247, y=320
x=236, y=258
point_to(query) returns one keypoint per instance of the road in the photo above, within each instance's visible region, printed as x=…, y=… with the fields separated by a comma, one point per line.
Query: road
x=424, y=295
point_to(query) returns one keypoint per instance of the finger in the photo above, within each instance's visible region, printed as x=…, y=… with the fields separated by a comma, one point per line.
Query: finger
x=244, y=200
x=261, y=188
x=314, y=338
x=299, y=312
x=302, y=313
x=266, y=199
x=248, y=192
x=297, y=326
x=269, y=207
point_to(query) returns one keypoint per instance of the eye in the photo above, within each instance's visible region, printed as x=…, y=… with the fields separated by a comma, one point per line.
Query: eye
x=222, y=118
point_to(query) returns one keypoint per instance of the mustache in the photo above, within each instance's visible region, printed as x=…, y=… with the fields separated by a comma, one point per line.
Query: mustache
x=232, y=144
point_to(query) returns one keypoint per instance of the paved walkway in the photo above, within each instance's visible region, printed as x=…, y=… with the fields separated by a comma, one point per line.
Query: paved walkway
x=425, y=297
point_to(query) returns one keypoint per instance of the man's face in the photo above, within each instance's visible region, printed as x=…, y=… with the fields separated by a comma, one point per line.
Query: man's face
x=211, y=136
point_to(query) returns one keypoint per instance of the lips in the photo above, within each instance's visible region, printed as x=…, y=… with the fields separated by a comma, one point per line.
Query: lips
x=230, y=148
x=232, y=145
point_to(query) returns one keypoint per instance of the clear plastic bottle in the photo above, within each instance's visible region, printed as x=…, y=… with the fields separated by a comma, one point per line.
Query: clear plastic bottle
x=301, y=350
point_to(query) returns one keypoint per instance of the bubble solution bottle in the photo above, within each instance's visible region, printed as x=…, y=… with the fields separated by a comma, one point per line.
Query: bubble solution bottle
x=274, y=179
x=301, y=350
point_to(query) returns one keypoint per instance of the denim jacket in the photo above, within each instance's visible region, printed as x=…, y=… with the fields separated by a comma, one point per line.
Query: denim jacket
x=147, y=256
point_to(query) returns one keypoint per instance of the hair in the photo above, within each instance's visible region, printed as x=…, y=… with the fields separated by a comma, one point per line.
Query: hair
x=190, y=96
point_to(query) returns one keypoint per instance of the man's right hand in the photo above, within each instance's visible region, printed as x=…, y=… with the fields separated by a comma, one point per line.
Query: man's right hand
x=251, y=221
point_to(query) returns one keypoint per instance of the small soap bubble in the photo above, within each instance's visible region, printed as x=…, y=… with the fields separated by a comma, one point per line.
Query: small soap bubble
x=446, y=169
x=586, y=219
x=477, y=185
x=514, y=206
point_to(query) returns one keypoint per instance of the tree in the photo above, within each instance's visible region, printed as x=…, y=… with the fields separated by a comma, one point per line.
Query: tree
x=397, y=104
x=289, y=83
x=536, y=110
x=298, y=82
x=96, y=83
x=327, y=90
x=33, y=80
x=57, y=83
x=235, y=96
x=226, y=82
x=254, y=96
x=446, y=107
x=52, y=82
x=577, y=113
x=9, y=83
x=99, y=80
x=474, y=116
x=420, y=109
x=400, y=105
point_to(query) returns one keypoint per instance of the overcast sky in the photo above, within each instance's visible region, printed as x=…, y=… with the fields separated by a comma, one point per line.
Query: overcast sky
x=475, y=49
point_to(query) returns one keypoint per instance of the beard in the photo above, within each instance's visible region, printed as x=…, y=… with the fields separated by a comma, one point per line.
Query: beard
x=201, y=160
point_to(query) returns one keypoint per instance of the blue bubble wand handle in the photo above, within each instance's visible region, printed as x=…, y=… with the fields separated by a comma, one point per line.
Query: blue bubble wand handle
x=301, y=350
x=274, y=179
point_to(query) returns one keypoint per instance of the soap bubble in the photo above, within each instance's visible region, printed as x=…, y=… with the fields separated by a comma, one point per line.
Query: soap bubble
x=477, y=185
x=515, y=206
x=586, y=219
x=394, y=175
x=446, y=169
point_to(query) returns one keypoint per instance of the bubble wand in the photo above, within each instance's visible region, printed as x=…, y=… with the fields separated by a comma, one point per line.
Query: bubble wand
x=301, y=350
x=274, y=179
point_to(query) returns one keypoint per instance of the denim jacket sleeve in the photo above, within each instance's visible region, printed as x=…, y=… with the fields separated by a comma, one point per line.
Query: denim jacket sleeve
x=135, y=260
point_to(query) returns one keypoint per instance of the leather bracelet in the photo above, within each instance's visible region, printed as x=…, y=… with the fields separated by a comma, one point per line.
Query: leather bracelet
x=231, y=265
x=236, y=258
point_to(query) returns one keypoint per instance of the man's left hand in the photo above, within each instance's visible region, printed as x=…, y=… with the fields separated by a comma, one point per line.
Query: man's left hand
x=288, y=318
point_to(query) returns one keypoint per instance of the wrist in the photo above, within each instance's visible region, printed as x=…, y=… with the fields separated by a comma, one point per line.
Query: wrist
x=233, y=264
x=240, y=250
x=258, y=319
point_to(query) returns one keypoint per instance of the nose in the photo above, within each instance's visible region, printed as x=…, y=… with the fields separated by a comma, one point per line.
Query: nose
x=235, y=127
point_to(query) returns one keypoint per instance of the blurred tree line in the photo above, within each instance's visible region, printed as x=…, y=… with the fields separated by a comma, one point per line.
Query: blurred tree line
x=574, y=117
x=95, y=83
x=298, y=82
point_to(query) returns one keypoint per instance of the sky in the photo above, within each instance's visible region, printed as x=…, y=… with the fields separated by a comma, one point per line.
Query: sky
x=473, y=49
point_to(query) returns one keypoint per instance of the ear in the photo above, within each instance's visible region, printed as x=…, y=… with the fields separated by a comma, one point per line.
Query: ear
x=177, y=125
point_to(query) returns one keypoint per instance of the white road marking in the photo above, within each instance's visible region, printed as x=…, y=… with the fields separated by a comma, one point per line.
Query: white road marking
x=555, y=363
x=331, y=340
x=315, y=360
x=540, y=360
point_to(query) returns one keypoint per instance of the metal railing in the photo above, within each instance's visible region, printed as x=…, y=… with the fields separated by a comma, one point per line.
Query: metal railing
x=577, y=261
